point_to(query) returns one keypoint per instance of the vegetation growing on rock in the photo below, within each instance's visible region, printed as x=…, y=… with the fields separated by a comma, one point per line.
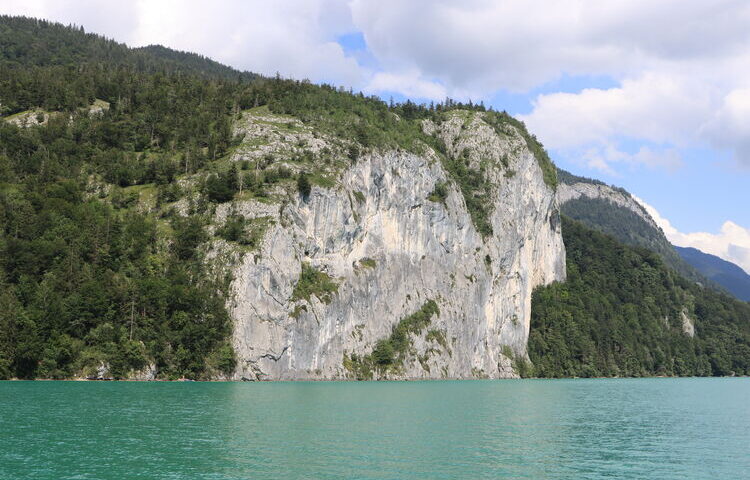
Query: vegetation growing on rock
x=314, y=282
x=474, y=187
x=389, y=353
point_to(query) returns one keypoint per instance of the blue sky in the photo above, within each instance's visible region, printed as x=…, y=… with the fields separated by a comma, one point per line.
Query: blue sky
x=672, y=191
x=699, y=195
x=651, y=96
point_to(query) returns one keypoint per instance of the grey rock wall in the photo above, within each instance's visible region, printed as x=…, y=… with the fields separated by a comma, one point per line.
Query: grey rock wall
x=422, y=250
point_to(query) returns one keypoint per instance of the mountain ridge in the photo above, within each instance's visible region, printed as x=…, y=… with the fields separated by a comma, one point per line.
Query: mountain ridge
x=725, y=273
x=614, y=211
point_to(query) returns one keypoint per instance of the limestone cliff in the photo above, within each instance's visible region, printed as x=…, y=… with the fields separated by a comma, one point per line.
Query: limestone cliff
x=389, y=246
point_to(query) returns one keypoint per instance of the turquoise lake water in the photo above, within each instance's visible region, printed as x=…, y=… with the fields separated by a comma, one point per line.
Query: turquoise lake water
x=562, y=429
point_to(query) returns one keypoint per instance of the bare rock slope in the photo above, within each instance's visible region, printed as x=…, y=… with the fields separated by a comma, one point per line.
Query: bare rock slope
x=379, y=276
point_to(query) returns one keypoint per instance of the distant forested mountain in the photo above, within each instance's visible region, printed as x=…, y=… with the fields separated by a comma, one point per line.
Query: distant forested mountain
x=623, y=312
x=29, y=42
x=733, y=278
x=612, y=210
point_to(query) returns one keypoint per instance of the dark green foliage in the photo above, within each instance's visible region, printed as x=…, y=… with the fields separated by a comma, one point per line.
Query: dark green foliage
x=90, y=279
x=366, y=120
x=626, y=226
x=314, y=282
x=620, y=314
x=472, y=181
x=257, y=183
x=476, y=193
x=223, y=359
x=188, y=235
x=276, y=175
x=303, y=185
x=31, y=42
x=549, y=171
x=359, y=196
x=233, y=229
x=83, y=284
x=389, y=353
x=439, y=193
x=569, y=179
x=472, y=184
x=368, y=262
x=221, y=187
x=242, y=231
x=383, y=355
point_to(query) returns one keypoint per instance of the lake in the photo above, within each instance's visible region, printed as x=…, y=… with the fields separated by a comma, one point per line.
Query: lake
x=563, y=429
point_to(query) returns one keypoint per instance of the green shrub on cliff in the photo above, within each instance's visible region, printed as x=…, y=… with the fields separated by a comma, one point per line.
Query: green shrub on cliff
x=314, y=282
x=389, y=353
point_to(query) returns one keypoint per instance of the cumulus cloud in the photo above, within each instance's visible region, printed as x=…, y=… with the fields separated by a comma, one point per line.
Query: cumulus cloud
x=656, y=107
x=682, y=110
x=606, y=156
x=407, y=83
x=682, y=67
x=113, y=19
x=522, y=44
x=732, y=242
x=729, y=128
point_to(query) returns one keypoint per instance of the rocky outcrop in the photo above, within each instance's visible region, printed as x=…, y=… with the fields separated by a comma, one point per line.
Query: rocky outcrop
x=30, y=118
x=389, y=246
x=688, y=325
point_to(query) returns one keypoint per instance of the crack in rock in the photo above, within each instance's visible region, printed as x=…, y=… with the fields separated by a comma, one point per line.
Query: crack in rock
x=273, y=357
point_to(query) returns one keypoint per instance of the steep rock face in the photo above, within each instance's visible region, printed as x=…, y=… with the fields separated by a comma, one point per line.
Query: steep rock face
x=390, y=250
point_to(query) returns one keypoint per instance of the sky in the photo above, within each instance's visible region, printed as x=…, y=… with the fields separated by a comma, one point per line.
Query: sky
x=650, y=96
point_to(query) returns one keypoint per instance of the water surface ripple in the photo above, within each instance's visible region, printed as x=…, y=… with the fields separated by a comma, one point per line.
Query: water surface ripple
x=524, y=429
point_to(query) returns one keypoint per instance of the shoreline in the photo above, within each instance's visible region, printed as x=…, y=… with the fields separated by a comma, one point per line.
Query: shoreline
x=344, y=380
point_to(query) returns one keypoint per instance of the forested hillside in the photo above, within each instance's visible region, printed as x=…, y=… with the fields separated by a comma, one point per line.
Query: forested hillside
x=623, y=312
x=96, y=265
x=88, y=278
x=626, y=226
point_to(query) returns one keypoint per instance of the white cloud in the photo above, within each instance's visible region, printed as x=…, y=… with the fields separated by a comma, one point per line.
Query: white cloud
x=113, y=19
x=730, y=126
x=296, y=38
x=656, y=107
x=605, y=156
x=681, y=110
x=519, y=44
x=732, y=242
x=407, y=83
x=683, y=66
